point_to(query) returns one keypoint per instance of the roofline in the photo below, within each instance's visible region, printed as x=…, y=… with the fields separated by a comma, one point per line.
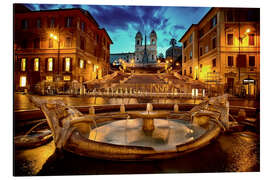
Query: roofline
x=192, y=25
x=207, y=14
x=103, y=29
x=88, y=14
x=197, y=23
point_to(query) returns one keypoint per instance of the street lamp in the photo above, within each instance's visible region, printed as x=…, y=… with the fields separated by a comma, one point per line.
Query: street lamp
x=57, y=38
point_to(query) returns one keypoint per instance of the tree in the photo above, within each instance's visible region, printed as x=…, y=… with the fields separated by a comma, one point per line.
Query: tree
x=160, y=56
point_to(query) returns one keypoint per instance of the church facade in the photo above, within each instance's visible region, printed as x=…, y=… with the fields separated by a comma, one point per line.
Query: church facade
x=145, y=53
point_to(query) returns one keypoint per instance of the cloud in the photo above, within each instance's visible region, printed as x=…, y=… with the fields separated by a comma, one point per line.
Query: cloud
x=122, y=22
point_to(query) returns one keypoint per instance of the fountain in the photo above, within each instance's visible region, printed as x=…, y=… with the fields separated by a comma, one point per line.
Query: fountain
x=135, y=135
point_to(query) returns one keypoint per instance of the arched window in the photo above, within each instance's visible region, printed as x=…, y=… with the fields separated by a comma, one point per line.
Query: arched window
x=138, y=42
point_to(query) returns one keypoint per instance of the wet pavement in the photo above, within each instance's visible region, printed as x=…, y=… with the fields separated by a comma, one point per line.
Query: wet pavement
x=235, y=152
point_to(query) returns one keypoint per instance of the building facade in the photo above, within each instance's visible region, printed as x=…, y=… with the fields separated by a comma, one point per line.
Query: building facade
x=127, y=57
x=62, y=45
x=223, y=50
x=151, y=49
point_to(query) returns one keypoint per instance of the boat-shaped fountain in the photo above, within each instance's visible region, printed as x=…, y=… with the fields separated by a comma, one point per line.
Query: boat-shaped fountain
x=135, y=135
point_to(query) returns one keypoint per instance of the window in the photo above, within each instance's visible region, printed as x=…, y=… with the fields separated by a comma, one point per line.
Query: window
x=49, y=78
x=229, y=16
x=206, y=49
x=201, y=51
x=68, y=42
x=153, y=42
x=67, y=64
x=22, y=81
x=251, y=39
x=50, y=64
x=24, y=43
x=201, y=33
x=37, y=43
x=190, y=38
x=66, y=78
x=50, y=43
x=68, y=21
x=24, y=24
x=23, y=64
x=200, y=67
x=190, y=70
x=152, y=57
x=38, y=23
x=81, y=63
x=190, y=55
x=214, y=21
x=83, y=26
x=82, y=43
x=52, y=23
x=214, y=63
x=185, y=72
x=230, y=60
x=229, y=39
x=185, y=44
x=36, y=64
x=214, y=43
x=252, y=61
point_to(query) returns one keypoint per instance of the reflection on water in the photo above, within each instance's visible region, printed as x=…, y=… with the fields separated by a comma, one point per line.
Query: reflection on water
x=166, y=135
x=229, y=153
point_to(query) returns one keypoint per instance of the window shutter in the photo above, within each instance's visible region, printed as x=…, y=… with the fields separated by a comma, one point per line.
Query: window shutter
x=46, y=64
x=70, y=65
x=54, y=63
x=63, y=64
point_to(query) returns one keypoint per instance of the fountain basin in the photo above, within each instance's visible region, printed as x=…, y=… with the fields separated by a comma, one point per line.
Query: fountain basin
x=86, y=147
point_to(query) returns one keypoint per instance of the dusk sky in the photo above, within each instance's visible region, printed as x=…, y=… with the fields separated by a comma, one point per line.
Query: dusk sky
x=123, y=22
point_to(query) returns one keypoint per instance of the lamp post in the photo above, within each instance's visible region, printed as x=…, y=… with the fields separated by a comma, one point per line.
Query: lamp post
x=57, y=38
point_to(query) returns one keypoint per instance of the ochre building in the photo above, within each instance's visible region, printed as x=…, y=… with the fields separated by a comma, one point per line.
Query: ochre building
x=223, y=50
x=63, y=45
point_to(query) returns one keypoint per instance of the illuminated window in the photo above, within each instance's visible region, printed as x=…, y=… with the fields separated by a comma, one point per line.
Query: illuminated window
x=50, y=64
x=81, y=63
x=95, y=68
x=36, y=64
x=49, y=79
x=22, y=81
x=67, y=64
x=23, y=64
x=66, y=78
